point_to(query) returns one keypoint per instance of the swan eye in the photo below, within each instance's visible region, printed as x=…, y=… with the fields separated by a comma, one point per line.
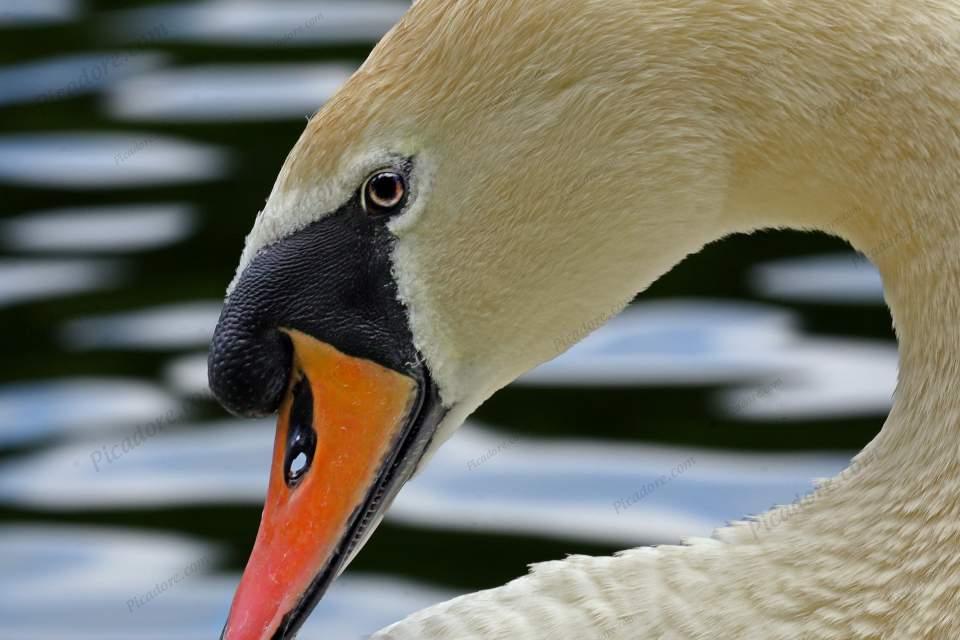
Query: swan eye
x=384, y=192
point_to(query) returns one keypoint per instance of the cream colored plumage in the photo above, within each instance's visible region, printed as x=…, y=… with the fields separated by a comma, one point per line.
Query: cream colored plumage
x=568, y=153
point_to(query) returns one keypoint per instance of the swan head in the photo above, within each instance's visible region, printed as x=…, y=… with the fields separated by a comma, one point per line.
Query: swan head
x=477, y=198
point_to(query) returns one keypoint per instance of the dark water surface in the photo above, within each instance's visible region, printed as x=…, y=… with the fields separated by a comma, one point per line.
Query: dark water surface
x=137, y=142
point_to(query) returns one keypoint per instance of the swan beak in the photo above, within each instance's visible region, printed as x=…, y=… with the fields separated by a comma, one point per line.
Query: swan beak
x=336, y=459
x=313, y=330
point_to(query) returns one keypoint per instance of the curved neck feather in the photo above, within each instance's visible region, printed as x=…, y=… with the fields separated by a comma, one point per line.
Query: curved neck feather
x=876, y=162
x=858, y=137
x=923, y=291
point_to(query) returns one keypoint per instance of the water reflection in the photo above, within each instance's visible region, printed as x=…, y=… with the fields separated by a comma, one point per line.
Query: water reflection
x=73, y=582
x=578, y=489
x=281, y=23
x=480, y=480
x=105, y=160
x=39, y=410
x=227, y=93
x=108, y=229
x=23, y=281
x=676, y=342
x=32, y=12
x=188, y=374
x=752, y=346
x=824, y=378
x=176, y=464
x=87, y=583
x=69, y=76
x=837, y=279
x=175, y=326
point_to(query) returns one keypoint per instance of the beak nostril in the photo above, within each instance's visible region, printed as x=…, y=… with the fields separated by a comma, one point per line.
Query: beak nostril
x=301, y=437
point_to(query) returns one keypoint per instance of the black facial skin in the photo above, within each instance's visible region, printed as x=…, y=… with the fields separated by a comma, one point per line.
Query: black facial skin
x=332, y=281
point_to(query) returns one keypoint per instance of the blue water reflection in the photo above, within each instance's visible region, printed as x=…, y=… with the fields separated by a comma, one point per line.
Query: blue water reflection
x=86, y=583
x=837, y=279
x=25, y=13
x=565, y=489
x=69, y=76
x=23, y=281
x=177, y=326
x=721, y=343
x=39, y=410
x=104, y=229
x=220, y=93
x=279, y=23
x=88, y=160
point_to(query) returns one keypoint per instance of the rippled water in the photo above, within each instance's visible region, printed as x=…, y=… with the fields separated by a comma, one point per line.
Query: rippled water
x=137, y=142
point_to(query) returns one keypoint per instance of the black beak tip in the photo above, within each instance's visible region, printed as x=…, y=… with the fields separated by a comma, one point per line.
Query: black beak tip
x=248, y=370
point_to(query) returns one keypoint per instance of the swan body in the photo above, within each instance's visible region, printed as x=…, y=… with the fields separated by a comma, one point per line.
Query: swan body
x=569, y=152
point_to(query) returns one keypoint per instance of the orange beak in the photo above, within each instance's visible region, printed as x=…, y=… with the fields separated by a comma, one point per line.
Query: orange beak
x=347, y=439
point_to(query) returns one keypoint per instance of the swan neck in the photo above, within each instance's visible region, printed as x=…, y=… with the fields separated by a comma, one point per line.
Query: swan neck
x=860, y=139
x=921, y=283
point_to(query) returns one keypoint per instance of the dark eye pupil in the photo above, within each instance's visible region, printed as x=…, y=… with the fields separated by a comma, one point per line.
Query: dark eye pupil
x=386, y=190
x=385, y=187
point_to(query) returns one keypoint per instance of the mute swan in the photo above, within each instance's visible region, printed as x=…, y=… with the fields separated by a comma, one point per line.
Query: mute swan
x=499, y=174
